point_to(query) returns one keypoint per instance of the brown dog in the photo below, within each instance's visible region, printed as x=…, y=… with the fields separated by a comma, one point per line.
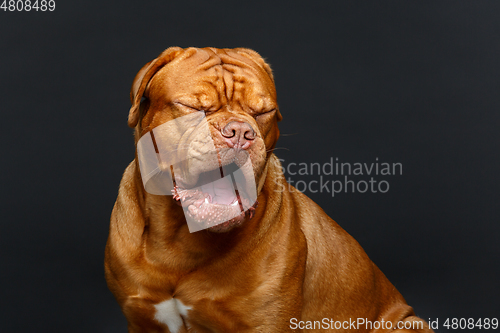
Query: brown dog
x=285, y=267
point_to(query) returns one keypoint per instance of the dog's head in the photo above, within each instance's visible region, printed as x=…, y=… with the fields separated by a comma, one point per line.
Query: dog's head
x=233, y=92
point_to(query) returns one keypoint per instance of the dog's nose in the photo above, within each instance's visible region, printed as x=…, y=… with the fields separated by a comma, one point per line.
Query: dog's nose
x=238, y=134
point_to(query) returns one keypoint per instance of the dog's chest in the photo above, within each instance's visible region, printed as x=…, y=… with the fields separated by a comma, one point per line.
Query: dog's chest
x=171, y=313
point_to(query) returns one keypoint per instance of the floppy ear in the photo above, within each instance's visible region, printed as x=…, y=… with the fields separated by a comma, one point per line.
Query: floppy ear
x=259, y=60
x=142, y=79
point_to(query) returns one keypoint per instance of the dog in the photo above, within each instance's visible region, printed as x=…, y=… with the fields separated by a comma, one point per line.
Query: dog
x=278, y=265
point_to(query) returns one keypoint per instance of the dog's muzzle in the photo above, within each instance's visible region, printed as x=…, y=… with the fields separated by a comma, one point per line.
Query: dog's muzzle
x=214, y=186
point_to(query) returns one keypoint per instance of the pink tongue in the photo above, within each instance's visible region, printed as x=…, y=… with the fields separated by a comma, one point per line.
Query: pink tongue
x=221, y=191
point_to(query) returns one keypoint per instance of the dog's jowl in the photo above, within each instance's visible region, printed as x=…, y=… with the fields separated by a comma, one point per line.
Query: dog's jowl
x=203, y=238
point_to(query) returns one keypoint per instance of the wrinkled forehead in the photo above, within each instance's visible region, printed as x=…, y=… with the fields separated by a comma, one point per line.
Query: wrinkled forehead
x=210, y=78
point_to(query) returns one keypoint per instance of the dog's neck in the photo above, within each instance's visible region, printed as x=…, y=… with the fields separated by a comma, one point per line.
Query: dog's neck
x=166, y=232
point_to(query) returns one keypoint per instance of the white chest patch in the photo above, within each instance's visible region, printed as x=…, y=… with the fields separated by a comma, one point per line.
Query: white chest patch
x=169, y=313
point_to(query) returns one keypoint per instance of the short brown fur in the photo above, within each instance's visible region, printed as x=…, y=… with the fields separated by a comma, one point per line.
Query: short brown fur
x=289, y=261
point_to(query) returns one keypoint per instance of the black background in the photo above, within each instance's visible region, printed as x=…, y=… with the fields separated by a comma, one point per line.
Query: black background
x=414, y=82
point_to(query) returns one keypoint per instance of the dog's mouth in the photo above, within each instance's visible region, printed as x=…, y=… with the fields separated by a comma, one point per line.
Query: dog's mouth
x=221, y=199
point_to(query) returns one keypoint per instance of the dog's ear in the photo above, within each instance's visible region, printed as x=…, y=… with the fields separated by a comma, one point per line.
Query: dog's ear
x=259, y=60
x=142, y=79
